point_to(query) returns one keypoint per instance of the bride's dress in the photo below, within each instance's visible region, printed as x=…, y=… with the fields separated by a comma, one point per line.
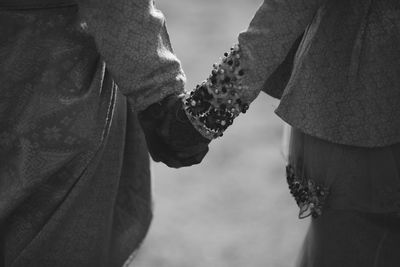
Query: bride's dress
x=336, y=91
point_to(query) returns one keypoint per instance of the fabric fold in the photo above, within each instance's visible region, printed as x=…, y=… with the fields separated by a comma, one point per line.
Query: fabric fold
x=360, y=179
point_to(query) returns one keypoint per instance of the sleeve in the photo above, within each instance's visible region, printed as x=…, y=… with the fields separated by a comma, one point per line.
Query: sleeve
x=262, y=60
x=270, y=41
x=132, y=39
x=277, y=81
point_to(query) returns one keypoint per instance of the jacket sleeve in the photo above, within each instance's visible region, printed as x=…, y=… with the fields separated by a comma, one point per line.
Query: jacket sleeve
x=277, y=81
x=132, y=39
x=270, y=42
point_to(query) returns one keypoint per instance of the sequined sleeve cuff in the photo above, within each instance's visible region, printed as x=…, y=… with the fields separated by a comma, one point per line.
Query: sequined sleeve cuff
x=217, y=101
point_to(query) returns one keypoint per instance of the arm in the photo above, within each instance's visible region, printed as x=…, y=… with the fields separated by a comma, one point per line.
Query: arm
x=237, y=80
x=277, y=81
x=269, y=38
x=133, y=41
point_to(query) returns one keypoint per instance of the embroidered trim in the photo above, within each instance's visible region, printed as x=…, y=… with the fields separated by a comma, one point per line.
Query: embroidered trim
x=310, y=196
x=215, y=103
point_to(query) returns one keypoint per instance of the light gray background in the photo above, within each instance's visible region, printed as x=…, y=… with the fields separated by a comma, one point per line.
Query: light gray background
x=234, y=210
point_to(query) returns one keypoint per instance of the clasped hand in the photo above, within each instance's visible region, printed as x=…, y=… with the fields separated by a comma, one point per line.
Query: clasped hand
x=170, y=135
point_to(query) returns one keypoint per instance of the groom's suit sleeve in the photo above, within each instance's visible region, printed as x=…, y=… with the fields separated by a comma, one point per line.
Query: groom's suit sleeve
x=269, y=40
x=132, y=39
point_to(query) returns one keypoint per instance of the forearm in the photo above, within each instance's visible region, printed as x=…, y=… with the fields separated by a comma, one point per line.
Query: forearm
x=132, y=39
x=271, y=34
x=237, y=80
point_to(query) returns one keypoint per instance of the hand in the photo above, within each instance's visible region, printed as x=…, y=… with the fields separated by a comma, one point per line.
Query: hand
x=170, y=136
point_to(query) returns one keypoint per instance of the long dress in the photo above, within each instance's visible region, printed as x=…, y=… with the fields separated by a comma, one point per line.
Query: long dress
x=74, y=168
x=338, y=90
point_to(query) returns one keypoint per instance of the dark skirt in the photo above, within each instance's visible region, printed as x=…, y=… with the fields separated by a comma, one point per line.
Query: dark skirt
x=353, y=196
x=74, y=167
x=351, y=239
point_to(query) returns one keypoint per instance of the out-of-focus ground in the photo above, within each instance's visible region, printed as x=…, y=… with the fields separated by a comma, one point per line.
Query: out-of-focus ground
x=234, y=209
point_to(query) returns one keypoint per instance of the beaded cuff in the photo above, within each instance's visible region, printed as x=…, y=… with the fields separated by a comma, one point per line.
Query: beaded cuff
x=310, y=197
x=216, y=102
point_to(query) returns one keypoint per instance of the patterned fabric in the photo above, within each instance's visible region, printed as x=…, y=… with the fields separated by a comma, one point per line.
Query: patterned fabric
x=51, y=110
x=74, y=171
x=345, y=79
x=132, y=38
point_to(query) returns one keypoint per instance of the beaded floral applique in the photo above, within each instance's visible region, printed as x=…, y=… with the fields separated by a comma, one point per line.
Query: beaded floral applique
x=310, y=197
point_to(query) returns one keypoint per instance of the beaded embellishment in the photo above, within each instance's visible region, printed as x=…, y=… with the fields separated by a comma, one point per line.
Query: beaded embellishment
x=216, y=102
x=310, y=197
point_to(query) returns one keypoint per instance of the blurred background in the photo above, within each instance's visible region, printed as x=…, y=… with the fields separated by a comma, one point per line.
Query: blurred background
x=234, y=209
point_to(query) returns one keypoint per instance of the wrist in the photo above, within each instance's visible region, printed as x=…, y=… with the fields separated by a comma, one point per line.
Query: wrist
x=215, y=103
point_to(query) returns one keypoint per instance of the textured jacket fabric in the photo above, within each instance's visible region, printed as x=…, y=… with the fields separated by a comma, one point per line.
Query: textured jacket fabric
x=132, y=38
x=345, y=78
x=74, y=167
